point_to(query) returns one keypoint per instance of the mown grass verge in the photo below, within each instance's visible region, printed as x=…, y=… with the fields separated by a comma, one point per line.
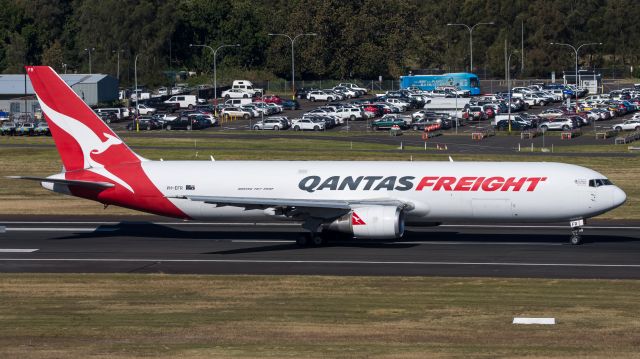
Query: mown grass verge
x=126, y=316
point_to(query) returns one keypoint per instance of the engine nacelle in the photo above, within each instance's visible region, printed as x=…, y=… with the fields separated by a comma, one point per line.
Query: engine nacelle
x=372, y=222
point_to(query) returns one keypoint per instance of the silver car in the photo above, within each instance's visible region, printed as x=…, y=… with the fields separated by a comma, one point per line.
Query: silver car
x=269, y=124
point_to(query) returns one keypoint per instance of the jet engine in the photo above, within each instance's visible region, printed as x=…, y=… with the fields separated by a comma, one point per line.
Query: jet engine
x=371, y=222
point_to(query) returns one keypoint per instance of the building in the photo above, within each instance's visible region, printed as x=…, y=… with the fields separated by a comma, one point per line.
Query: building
x=590, y=80
x=17, y=96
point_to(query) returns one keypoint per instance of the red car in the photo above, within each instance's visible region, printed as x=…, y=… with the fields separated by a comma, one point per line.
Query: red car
x=272, y=99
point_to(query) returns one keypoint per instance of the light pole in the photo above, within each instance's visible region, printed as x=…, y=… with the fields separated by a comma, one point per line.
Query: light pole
x=576, y=52
x=293, y=68
x=118, y=66
x=509, y=87
x=215, y=74
x=470, y=28
x=135, y=75
x=89, y=49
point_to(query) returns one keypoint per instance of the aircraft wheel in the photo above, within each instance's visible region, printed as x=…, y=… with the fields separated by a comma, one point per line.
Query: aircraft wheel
x=302, y=241
x=575, y=239
x=317, y=240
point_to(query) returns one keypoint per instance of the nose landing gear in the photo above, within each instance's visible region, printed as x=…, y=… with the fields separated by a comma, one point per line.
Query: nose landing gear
x=576, y=231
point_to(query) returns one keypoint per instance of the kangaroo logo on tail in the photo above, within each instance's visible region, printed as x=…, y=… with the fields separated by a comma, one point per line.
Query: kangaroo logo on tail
x=88, y=140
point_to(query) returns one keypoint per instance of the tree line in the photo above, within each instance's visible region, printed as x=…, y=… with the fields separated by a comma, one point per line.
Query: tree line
x=357, y=39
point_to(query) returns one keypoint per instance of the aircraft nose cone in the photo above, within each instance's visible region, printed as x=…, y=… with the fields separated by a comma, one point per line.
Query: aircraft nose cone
x=619, y=197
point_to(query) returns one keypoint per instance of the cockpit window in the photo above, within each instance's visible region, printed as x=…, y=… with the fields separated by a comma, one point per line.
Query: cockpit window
x=599, y=182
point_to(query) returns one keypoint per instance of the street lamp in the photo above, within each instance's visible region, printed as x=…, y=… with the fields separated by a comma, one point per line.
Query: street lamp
x=576, y=52
x=118, y=53
x=135, y=75
x=470, y=28
x=89, y=49
x=215, y=75
x=509, y=87
x=293, y=71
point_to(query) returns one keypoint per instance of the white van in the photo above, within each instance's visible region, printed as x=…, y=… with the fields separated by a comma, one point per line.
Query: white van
x=120, y=112
x=238, y=101
x=184, y=101
x=247, y=86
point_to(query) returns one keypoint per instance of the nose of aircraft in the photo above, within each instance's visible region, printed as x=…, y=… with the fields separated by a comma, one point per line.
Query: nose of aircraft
x=619, y=197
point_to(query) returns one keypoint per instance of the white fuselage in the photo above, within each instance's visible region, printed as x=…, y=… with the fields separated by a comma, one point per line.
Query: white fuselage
x=437, y=191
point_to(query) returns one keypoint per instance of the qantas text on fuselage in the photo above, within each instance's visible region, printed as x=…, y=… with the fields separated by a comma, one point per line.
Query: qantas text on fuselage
x=408, y=183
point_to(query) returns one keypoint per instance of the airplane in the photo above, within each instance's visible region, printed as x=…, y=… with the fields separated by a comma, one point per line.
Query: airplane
x=361, y=199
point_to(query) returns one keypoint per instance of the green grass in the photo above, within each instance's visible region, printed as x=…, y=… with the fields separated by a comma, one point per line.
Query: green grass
x=126, y=316
x=28, y=197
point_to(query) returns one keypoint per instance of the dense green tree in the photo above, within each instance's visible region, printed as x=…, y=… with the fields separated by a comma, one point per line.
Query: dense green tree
x=355, y=39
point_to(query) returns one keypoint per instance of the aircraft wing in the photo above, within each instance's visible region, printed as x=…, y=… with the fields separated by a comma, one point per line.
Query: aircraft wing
x=79, y=183
x=299, y=204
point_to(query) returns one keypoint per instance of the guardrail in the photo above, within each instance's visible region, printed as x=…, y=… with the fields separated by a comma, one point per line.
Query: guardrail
x=604, y=134
x=567, y=135
x=529, y=134
x=620, y=140
x=481, y=134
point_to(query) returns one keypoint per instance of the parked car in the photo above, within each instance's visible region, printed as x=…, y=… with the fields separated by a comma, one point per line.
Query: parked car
x=387, y=123
x=269, y=124
x=628, y=125
x=235, y=112
x=558, y=123
x=303, y=92
x=144, y=123
x=25, y=129
x=290, y=105
x=8, y=129
x=272, y=99
x=307, y=124
x=320, y=96
x=516, y=125
x=42, y=129
x=235, y=93
x=184, y=123
x=146, y=110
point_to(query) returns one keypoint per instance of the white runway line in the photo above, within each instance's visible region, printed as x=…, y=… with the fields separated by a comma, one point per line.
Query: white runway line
x=51, y=229
x=17, y=250
x=276, y=261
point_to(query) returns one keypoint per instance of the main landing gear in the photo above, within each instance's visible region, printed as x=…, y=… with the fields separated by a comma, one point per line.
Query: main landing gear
x=576, y=231
x=314, y=236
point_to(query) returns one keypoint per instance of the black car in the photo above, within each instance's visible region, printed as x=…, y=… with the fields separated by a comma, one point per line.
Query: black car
x=107, y=117
x=503, y=125
x=184, y=123
x=302, y=92
x=144, y=124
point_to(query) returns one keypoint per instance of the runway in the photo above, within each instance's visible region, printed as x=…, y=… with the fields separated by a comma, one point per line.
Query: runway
x=609, y=251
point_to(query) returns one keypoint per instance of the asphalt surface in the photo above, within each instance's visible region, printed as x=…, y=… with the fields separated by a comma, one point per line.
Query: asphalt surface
x=94, y=245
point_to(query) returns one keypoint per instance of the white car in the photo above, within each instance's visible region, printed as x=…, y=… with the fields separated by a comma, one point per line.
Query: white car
x=351, y=113
x=628, y=125
x=320, y=96
x=146, y=110
x=163, y=91
x=235, y=112
x=235, y=93
x=349, y=93
x=306, y=124
x=403, y=106
x=353, y=87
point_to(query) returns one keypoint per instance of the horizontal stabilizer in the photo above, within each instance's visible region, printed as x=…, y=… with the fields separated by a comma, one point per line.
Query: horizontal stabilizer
x=79, y=183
